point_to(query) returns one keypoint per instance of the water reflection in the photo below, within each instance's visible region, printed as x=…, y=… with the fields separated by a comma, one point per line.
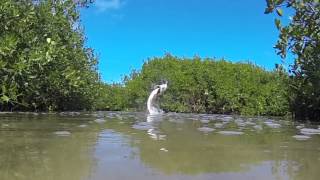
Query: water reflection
x=153, y=132
x=171, y=146
x=150, y=125
x=239, y=150
x=155, y=118
x=32, y=148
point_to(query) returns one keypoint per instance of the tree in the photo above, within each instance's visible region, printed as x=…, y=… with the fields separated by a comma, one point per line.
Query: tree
x=301, y=37
x=205, y=86
x=44, y=64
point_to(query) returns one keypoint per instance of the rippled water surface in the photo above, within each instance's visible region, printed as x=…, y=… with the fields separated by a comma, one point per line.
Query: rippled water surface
x=135, y=146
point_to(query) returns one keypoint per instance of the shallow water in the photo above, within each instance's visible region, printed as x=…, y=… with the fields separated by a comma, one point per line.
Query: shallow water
x=119, y=146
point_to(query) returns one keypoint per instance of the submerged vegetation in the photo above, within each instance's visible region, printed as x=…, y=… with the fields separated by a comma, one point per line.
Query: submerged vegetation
x=45, y=66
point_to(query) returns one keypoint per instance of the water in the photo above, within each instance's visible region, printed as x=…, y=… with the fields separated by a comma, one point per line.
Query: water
x=119, y=146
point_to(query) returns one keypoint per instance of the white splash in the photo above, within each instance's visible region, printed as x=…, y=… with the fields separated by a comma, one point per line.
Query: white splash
x=152, y=108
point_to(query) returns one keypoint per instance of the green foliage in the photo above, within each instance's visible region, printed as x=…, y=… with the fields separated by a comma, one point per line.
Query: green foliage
x=301, y=37
x=111, y=97
x=43, y=62
x=44, y=65
x=208, y=86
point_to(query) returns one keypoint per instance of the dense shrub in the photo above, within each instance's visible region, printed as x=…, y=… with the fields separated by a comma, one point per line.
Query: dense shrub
x=301, y=37
x=209, y=86
x=44, y=64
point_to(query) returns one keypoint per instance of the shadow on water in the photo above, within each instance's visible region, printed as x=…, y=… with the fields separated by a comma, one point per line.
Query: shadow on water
x=109, y=145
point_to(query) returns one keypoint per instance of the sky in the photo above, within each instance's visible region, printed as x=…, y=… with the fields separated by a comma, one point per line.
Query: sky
x=125, y=33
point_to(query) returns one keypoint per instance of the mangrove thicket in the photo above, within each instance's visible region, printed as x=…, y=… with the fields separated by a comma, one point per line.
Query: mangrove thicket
x=301, y=38
x=44, y=64
x=203, y=86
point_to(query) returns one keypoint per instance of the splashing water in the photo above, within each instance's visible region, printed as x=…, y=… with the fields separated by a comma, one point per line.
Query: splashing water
x=152, y=108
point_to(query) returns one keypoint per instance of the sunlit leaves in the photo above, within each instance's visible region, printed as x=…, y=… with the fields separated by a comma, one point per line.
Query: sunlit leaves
x=301, y=38
x=277, y=23
x=43, y=62
x=207, y=86
x=279, y=11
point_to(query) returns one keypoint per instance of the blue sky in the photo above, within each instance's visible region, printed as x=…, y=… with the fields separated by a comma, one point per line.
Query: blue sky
x=124, y=33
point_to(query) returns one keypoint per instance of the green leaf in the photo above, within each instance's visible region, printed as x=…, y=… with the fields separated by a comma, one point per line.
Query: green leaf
x=48, y=40
x=279, y=2
x=269, y=2
x=4, y=89
x=279, y=11
x=268, y=10
x=277, y=23
x=5, y=98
